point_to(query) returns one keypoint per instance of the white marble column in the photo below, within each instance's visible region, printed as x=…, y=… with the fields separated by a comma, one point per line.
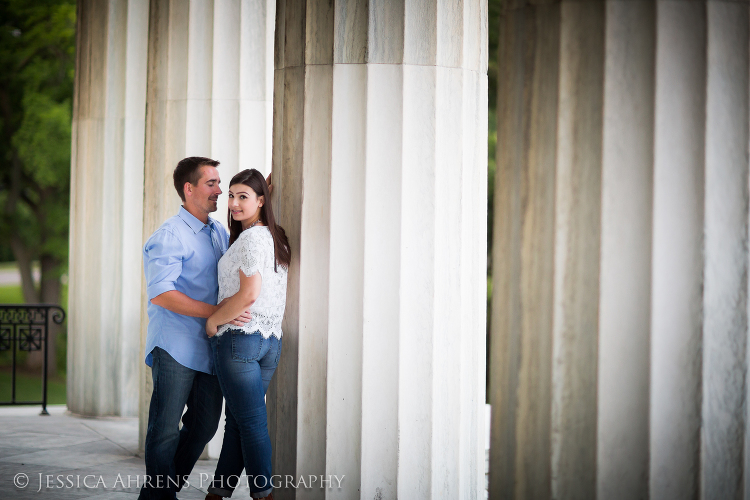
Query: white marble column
x=678, y=243
x=107, y=208
x=724, y=432
x=209, y=94
x=619, y=339
x=203, y=69
x=379, y=148
x=626, y=241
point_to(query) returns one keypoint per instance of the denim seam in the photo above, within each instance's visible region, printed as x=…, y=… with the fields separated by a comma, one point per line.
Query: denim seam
x=278, y=351
x=229, y=402
x=156, y=389
x=191, y=430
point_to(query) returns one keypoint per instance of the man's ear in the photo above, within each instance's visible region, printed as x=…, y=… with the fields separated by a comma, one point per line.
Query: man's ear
x=187, y=189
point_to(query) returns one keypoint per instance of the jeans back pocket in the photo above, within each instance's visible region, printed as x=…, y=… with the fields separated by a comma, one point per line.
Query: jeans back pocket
x=246, y=347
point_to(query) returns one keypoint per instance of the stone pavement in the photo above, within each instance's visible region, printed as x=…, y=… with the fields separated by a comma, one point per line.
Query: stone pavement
x=77, y=458
x=69, y=451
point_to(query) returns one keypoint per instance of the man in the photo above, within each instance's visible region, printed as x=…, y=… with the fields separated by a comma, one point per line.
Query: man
x=180, y=262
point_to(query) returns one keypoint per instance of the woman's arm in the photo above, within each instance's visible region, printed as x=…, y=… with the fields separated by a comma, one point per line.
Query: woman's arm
x=236, y=304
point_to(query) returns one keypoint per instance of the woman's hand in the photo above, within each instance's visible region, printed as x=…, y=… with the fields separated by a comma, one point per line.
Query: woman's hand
x=211, y=327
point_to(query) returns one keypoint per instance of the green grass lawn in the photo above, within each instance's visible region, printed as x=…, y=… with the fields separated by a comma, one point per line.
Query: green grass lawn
x=29, y=384
x=11, y=294
x=29, y=387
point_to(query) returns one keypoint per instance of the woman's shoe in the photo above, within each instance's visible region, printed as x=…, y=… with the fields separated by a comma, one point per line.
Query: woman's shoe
x=213, y=496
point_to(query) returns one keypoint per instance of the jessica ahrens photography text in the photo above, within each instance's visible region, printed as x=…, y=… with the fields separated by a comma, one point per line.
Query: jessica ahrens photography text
x=93, y=481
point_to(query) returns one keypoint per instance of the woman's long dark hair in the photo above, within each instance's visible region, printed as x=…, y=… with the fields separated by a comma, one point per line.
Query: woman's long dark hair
x=255, y=181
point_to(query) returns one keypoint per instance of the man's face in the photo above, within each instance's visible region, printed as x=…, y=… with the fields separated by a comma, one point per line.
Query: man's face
x=203, y=196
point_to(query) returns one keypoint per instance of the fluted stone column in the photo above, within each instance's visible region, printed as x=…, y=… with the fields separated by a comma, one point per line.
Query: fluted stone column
x=619, y=339
x=210, y=90
x=107, y=207
x=626, y=245
x=379, y=154
x=724, y=435
x=204, y=71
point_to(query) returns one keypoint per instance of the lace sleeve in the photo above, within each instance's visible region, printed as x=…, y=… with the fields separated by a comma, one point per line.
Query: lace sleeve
x=251, y=256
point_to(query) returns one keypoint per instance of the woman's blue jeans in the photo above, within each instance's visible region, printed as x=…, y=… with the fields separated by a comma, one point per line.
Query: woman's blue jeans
x=244, y=364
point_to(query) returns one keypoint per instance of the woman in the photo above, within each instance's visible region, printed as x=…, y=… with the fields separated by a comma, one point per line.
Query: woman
x=252, y=274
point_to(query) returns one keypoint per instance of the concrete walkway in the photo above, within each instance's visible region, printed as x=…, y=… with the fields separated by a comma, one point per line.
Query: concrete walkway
x=78, y=457
x=64, y=457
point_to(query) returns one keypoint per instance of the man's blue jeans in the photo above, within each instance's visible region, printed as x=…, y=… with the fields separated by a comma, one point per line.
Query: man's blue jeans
x=171, y=452
x=244, y=364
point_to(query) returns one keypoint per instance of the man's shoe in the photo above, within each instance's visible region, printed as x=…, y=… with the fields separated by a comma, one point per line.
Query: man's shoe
x=213, y=496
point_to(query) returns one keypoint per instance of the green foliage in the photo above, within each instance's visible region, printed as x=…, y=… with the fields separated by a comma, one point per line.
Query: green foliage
x=494, y=8
x=6, y=254
x=37, y=53
x=43, y=139
x=491, y=167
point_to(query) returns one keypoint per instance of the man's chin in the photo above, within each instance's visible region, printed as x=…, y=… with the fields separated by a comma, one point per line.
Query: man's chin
x=213, y=207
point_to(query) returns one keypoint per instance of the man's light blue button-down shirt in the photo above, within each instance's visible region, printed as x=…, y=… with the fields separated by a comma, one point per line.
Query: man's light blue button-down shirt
x=183, y=255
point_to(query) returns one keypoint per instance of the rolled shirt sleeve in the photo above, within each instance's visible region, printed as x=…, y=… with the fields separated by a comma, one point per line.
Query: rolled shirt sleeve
x=162, y=257
x=181, y=255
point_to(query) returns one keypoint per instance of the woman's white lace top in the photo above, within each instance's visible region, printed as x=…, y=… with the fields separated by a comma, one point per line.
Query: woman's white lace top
x=253, y=253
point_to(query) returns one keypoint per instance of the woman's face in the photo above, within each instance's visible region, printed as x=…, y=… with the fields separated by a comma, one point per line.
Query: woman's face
x=243, y=203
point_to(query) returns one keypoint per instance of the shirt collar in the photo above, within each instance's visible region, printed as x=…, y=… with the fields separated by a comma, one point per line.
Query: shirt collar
x=192, y=222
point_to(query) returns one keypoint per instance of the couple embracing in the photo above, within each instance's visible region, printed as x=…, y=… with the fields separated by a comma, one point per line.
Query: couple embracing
x=216, y=301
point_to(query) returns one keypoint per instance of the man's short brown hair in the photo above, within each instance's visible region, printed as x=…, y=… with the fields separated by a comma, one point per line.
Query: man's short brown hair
x=188, y=170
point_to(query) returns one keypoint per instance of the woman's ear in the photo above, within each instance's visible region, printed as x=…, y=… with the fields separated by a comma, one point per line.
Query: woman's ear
x=261, y=200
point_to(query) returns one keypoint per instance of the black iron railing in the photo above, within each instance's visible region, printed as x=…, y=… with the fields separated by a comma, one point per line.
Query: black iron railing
x=25, y=327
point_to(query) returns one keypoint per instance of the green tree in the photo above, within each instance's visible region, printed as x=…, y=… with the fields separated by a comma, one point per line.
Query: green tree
x=37, y=54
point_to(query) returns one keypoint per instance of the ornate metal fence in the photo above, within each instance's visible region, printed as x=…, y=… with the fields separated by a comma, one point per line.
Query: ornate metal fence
x=25, y=327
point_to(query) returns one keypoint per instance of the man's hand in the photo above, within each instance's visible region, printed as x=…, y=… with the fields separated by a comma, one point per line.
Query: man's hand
x=211, y=327
x=268, y=181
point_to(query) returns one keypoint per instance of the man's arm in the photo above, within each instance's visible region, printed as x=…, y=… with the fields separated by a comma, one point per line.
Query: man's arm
x=163, y=265
x=179, y=303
